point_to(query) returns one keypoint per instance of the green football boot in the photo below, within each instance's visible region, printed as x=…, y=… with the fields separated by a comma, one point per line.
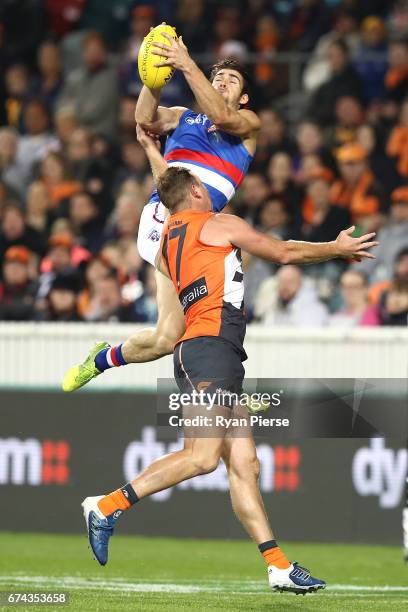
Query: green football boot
x=79, y=375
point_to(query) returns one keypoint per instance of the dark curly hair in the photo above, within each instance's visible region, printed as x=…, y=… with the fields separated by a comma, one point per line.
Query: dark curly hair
x=232, y=64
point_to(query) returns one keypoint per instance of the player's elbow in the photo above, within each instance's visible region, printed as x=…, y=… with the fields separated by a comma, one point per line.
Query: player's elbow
x=221, y=118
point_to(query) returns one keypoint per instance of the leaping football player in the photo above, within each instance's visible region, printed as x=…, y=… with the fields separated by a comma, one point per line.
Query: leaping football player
x=217, y=145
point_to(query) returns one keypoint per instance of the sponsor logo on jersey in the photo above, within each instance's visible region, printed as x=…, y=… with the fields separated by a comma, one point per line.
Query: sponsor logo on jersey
x=194, y=292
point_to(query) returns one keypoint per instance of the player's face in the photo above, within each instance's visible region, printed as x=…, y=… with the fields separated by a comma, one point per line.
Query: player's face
x=229, y=83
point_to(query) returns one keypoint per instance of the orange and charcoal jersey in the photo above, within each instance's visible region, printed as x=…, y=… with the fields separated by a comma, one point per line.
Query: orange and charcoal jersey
x=208, y=280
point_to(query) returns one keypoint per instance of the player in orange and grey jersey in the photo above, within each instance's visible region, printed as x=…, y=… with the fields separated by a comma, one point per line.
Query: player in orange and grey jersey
x=199, y=252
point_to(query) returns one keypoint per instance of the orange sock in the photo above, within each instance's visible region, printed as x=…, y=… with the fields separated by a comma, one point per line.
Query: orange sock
x=273, y=555
x=121, y=499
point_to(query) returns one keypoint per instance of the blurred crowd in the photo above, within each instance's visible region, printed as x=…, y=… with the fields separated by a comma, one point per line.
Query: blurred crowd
x=74, y=180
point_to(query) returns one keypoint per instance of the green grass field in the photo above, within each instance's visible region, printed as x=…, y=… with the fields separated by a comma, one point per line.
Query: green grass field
x=163, y=574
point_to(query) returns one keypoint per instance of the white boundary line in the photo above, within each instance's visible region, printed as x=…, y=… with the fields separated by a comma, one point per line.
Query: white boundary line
x=249, y=587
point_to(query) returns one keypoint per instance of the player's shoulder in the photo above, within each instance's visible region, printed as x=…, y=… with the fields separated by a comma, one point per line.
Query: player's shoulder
x=251, y=116
x=226, y=220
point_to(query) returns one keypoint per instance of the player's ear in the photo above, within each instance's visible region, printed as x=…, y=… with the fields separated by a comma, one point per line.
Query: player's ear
x=244, y=99
x=195, y=192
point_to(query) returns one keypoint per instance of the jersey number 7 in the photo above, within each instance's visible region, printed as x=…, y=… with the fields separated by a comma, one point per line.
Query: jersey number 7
x=180, y=233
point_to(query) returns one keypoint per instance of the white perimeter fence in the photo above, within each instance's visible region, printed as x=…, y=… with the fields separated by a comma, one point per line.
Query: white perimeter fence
x=36, y=355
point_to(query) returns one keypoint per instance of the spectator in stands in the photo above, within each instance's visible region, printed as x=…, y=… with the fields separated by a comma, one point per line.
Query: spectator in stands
x=36, y=140
x=48, y=84
x=266, y=41
x=65, y=123
x=309, y=20
x=273, y=138
x=349, y=115
x=96, y=268
x=318, y=68
x=370, y=59
x=274, y=218
x=133, y=162
x=357, y=189
x=254, y=190
x=38, y=215
x=393, y=306
x=399, y=276
x=396, y=79
x=344, y=81
x=58, y=261
x=86, y=222
x=106, y=302
x=9, y=169
x=290, y=299
x=381, y=165
x=280, y=175
x=15, y=231
x=397, y=145
x=55, y=176
x=308, y=164
x=17, y=290
x=79, y=153
x=61, y=302
x=393, y=238
x=355, y=310
x=309, y=140
x=126, y=216
x=17, y=87
x=322, y=220
x=93, y=88
x=127, y=118
x=145, y=306
x=94, y=172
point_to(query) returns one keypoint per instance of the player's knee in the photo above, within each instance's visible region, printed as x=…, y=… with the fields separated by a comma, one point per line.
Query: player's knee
x=246, y=467
x=205, y=463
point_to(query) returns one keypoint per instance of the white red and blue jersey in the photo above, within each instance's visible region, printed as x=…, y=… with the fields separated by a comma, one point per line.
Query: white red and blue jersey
x=220, y=160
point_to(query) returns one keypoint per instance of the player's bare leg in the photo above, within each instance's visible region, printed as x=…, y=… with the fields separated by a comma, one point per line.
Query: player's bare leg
x=241, y=461
x=200, y=455
x=239, y=455
x=153, y=343
x=145, y=345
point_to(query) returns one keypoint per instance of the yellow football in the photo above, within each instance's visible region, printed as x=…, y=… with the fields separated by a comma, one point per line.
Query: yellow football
x=152, y=77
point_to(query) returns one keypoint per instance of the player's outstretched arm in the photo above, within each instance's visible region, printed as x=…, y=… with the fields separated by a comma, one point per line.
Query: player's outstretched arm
x=241, y=234
x=243, y=123
x=151, y=116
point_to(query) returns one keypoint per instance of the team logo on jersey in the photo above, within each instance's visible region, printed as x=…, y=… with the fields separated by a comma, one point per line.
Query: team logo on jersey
x=212, y=128
x=193, y=120
x=154, y=235
x=193, y=293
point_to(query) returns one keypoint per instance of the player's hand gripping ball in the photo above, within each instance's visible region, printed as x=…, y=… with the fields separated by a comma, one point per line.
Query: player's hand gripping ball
x=151, y=76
